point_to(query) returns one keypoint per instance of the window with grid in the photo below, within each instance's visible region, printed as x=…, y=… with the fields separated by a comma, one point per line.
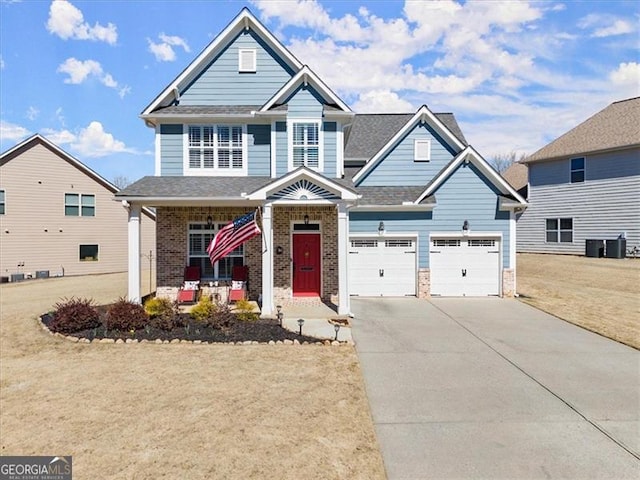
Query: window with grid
x=216, y=147
x=200, y=235
x=79, y=205
x=559, y=230
x=306, y=145
x=2, y=202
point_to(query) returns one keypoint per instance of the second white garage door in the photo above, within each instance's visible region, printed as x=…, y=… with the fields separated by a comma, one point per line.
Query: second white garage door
x=382, y=267
x=464, y=266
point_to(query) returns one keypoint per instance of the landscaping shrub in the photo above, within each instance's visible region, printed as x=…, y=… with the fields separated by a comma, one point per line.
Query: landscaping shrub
x=125, y=316
x=222, y=317
x=74, y=315
x=204, y=310
x=244, y=311
x=158, y=307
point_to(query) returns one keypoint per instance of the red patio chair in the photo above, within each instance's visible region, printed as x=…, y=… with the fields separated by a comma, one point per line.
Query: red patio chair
x=239, y=279
x=188, y=292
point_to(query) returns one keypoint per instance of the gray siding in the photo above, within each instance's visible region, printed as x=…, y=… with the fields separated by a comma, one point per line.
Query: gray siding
x=281, y=148
x=330, y=150
x=466, y=195
x=221, y=83
x=399, y=169
x=602, y=207
x=171, y=150
x=259, y=149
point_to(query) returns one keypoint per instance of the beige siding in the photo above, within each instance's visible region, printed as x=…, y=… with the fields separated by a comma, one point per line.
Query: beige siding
x=35, y=230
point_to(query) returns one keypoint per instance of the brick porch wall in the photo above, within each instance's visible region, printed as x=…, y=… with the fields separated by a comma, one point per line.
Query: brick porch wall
x=282, y=218
x=172, y=249
x=508, y=282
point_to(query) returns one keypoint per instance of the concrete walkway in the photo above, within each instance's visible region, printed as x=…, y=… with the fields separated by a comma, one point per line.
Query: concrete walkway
x=493, y=388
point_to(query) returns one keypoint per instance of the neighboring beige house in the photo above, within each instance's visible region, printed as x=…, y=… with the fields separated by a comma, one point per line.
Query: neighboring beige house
x=59, y=217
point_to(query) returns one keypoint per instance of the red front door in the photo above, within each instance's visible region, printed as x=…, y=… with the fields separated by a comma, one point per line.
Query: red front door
x=306, y=265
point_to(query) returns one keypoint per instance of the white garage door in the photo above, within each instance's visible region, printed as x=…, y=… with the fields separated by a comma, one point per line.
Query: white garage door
x=382, y=267
x=464, y=266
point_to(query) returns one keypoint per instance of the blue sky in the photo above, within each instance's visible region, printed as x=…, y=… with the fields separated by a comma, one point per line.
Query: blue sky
x=516, y=74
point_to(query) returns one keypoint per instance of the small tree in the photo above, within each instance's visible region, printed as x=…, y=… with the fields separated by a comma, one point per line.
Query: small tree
x=502, y=161
x=121, y=181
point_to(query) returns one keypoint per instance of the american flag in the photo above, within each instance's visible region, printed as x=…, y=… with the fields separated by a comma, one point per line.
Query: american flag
x=232, y=235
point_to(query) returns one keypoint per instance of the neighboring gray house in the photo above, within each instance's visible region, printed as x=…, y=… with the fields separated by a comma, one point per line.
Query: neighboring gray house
x=351, y=204
x=585, y=184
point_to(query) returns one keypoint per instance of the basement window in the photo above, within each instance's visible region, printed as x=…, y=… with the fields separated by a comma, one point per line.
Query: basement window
x=88, y=253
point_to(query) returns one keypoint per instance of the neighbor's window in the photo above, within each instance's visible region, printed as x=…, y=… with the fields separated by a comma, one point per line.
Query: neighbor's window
x=216, y=148
x=422, y=150
x=200, y=235
x=559, y=230
x=1, y=202
x=247, y=60
x=88, y=253
x=306, y=145
x=577, y=170
x=82, y=205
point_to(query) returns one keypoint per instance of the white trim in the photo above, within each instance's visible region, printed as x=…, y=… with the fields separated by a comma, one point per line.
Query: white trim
x=273, y=152
x=395, y=208
x=158, y=153
x=339, y=150
x=470, y=154
x=243, y=20
x=344, y=299
x=215, y=171
x=254, y=60
x=292, y=233
x=423, y=115
x=267, y=261
x=133, y=234
x=290, y=123
x=512, y=246
x=306, y=76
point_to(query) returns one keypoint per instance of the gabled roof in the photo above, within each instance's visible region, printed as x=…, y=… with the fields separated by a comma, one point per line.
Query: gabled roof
x=244, y=20
x=469, y=154
x=369, y=132
x=615, y=127
x=423, y=115
x=304, y=173
x=306, y=76
x=517, y=175
x=38, y=139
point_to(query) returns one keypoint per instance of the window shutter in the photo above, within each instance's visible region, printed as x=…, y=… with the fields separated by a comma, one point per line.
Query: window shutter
x=247, y=60
x=422, y=150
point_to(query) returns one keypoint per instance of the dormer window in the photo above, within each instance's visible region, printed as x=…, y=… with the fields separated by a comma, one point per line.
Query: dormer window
x=422, y=150
x=247, y=60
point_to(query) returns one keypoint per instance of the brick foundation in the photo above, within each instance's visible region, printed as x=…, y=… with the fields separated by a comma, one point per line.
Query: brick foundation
x=508, y=282
x=424, y=283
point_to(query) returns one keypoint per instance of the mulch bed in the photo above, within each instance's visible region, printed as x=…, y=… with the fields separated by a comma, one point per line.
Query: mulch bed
x=262, y=330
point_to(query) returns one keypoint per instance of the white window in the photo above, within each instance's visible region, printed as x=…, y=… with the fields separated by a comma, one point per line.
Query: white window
x=79, y=205
x=200, y=235
x=216, y=150
x=247, y=60
x=559, y=230
x=422, y=150
x=305, y=145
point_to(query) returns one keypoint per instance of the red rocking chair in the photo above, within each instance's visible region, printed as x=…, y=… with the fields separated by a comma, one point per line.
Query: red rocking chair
x=239, y=279
x=188, y=292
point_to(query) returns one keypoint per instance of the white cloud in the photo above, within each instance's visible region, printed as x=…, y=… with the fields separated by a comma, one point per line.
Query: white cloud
x=619, y=27
x=79, y=71
x=12, y=132
x=382, y=101
x=605, y=25
x=32, y=113
x=163, y=50
x=627, y=79
x=67, y=21
x=90, y=142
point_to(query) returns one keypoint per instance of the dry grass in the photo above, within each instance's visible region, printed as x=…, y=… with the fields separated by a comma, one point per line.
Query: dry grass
x=177, y=411
x=599, y=294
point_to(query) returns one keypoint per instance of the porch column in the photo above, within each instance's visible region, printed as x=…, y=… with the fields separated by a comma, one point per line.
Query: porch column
x=267, y=261
x=134, y=253
x=344, y=307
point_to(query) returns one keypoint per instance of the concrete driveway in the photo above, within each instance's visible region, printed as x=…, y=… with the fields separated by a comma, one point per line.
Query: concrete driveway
x=493, y=388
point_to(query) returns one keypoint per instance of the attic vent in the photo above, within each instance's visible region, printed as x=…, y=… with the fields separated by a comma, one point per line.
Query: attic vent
x=247, y=60
x=422, y=150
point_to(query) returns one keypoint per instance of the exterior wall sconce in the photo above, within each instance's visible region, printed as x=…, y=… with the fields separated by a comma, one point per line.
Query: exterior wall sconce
x=465, y=228
x=279, y=250
x=306, y=219
x=209, y=221
x=381, y=228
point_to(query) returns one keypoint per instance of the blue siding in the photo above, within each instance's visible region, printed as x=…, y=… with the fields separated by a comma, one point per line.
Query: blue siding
x=305, y=102
x=281, y=148
x=330, y=151
x=259, y=149
x=221, y=84
x=398, y=167
x=466, y=195
x=171, y=152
